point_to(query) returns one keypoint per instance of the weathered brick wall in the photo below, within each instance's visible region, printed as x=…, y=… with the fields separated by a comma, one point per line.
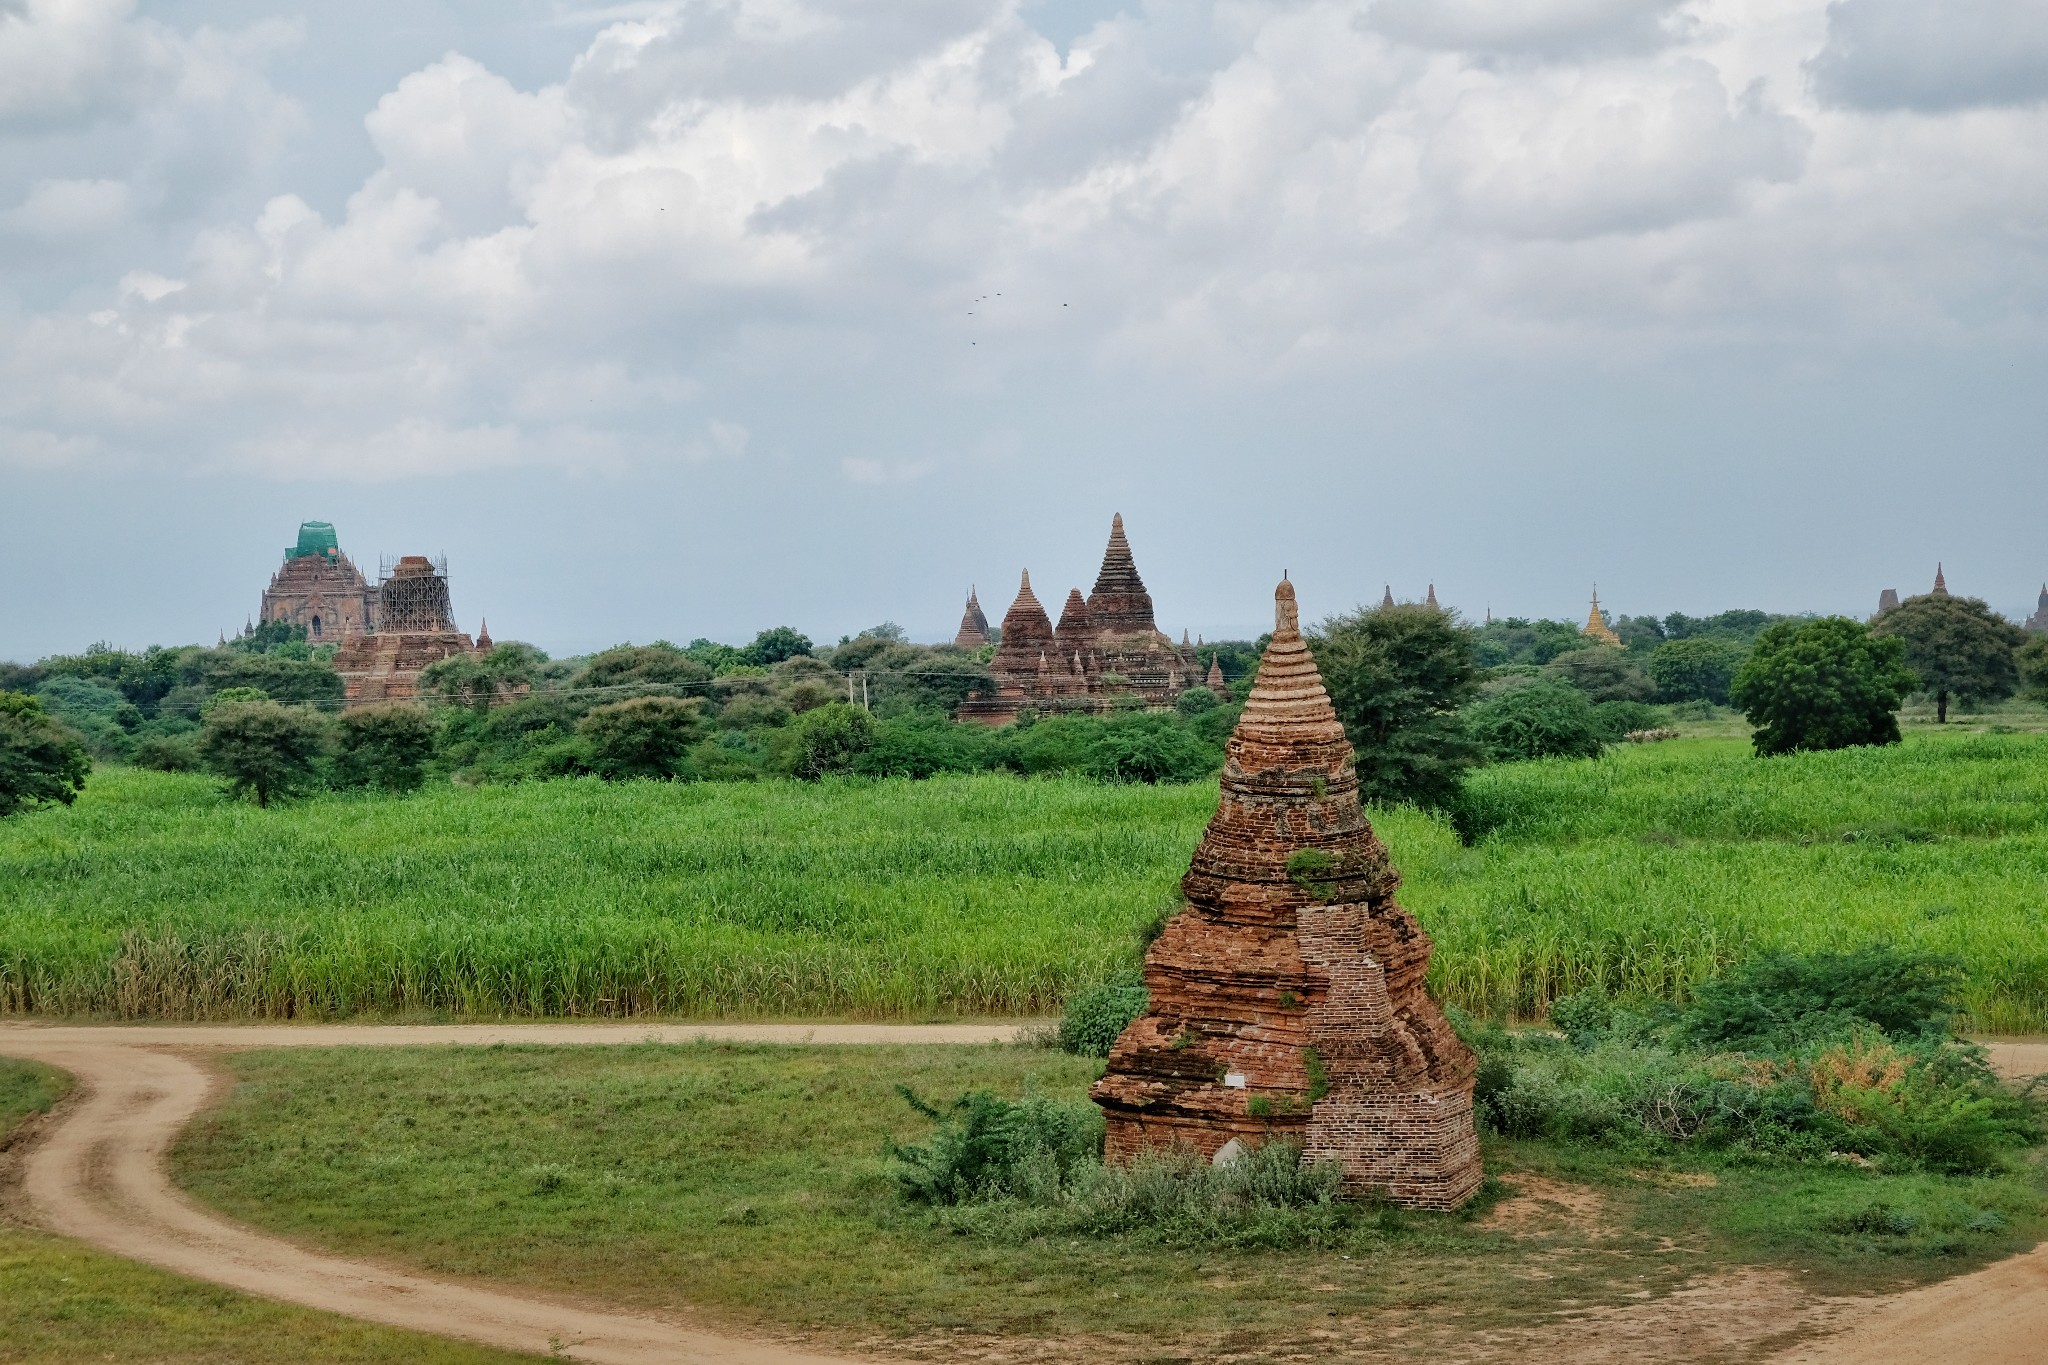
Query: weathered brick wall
x=1287, y=997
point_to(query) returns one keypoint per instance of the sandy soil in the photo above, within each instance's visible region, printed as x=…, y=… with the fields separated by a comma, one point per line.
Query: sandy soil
x=96, y=1172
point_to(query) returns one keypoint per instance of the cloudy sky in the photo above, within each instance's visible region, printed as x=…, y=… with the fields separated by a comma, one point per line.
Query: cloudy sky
x=680, y=319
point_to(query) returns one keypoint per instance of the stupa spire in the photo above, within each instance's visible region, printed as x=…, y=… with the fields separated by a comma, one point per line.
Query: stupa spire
x=1940, y=583
x=1119, y=602
x=1430, y=601
x=1387, y=597
x=1287, y=996
x=1597, y=629
x=973, y=632
x=483, y=635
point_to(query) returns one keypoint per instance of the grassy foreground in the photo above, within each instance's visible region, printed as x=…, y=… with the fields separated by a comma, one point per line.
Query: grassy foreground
x=1644, y=871
x=751, y=1182
x=63, y=1302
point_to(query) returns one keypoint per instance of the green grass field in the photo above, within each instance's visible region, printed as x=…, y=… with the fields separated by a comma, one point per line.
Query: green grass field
x=750, y=1184
x=62, y=1302
x=1645, y=871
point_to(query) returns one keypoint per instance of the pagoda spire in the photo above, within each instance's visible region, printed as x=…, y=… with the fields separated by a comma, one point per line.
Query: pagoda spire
x=1940, y=583
x=1119, y=602
x=973, y=632
x=483, y=634
x=1387, y=597
x=1597, y=629
x=1430, y=601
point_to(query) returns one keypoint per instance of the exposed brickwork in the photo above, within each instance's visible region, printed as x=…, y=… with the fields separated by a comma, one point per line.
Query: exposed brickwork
x=416, y=631
x=323, y=591
x=1107, y=646
x=2039, y=620
x=973, y=632
x=1287, y=996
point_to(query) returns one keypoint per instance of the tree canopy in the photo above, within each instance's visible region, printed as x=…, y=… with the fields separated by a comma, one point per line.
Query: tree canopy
x=1823, y=684
x=1956, y=646
x=1397, y=676
x=264, y=749
x=41, y=762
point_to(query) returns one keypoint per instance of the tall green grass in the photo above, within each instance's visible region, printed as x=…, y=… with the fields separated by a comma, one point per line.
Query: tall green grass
x=1645, y=872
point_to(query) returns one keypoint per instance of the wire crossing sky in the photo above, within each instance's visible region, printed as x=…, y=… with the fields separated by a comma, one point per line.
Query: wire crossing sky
x=688, y=319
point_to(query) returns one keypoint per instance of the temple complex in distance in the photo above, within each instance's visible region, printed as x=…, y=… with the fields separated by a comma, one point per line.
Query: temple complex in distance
x=320, y=588
x=415, y=629
x=1106, y=647
x=2039, y=620
x=1286, y=999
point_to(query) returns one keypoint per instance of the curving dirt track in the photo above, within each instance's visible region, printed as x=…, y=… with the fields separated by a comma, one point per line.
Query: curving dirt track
x=97, y=1174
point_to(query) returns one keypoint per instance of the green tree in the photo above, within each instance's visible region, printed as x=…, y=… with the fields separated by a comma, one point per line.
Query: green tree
x=1548, y=719
x=40, y=760
x=774, y=645
x=1955, y=646
x=263, y=748
x=1603, y=674
x=830, y=739
x=387, y=746
x=1397, y=676
x=282, y=679
x=2031, y=661
x=1827, y=683
x=1698, y=668
x=481, y=681
x=660, y=664
x=1518, y=640
x=641, y=736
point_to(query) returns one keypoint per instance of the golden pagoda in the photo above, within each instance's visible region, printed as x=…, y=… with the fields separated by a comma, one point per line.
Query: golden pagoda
x=1597, y=630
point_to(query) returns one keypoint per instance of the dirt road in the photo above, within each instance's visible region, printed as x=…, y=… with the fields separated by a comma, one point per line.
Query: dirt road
x=98, y=1175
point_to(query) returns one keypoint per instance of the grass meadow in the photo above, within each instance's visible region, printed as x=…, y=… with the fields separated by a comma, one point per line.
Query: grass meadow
x=1645, y=871
x=750, y=1184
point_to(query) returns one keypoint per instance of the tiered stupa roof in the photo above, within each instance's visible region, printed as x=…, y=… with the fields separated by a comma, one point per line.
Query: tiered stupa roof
x=1940, y=588
x=973, y=633
x=2039, y=620
x=1596, y=629
x=1287, y=997
x=1119, y=603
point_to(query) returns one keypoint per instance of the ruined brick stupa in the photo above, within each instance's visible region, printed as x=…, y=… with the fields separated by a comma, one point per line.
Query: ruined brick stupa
x=1287, y=996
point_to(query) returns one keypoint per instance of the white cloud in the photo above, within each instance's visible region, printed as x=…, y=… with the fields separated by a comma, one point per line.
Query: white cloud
x=63, y=211
x=749, y=207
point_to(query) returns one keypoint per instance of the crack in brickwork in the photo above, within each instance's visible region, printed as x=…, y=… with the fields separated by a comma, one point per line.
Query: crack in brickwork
x=1287, y=996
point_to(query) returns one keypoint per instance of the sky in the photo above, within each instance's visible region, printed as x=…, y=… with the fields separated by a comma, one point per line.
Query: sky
x=667, y=320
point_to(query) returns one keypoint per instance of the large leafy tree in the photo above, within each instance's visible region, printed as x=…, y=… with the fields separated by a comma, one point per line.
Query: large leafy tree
x=264, y=749
x=1822, y=684
x=1539, y=720
x=387, y=746
x=1957, y=646
x=1397, y=676
x=40, y=760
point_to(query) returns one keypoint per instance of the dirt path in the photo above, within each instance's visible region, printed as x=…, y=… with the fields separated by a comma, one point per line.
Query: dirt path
x=98, y=1175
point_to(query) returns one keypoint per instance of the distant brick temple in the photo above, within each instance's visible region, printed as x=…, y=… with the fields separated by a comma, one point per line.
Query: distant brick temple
x=2039, y=620
x=1886, y=600
x=415, y=629
x=973, y=632
x=320, y=588
x=1287, y=996
x=1105, y=648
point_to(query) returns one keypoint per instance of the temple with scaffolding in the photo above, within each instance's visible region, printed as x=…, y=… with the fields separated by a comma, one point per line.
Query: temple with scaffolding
x=415, y=630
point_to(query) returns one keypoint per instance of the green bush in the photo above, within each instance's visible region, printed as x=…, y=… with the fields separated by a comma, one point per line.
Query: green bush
x=642, y=737
x=1094, y=1017
x=1617, y=719
x=987, y=1147
x=1196, y=700
x=1540, y=720
x=1781, y=1000
x=167, y=754
x=387, y=746
x=41, y=761
x=1823, y=684
x=264, y=749
x=831, y=739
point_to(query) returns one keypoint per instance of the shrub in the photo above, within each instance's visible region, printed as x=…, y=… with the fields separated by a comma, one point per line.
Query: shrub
x=387, y=746
x=987, y=1147
x=1540, y=720
x=1783, y=999
x=1196, y=700
x=167, y=754
x=830, y=739
x=40, y=760
x=1150, y=748
x=641, y=737
x=264, y=749
x=1095, y=1016
x=1619, y=719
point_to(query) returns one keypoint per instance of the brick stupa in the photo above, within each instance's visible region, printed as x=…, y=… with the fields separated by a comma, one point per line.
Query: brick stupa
x=1287, y=996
